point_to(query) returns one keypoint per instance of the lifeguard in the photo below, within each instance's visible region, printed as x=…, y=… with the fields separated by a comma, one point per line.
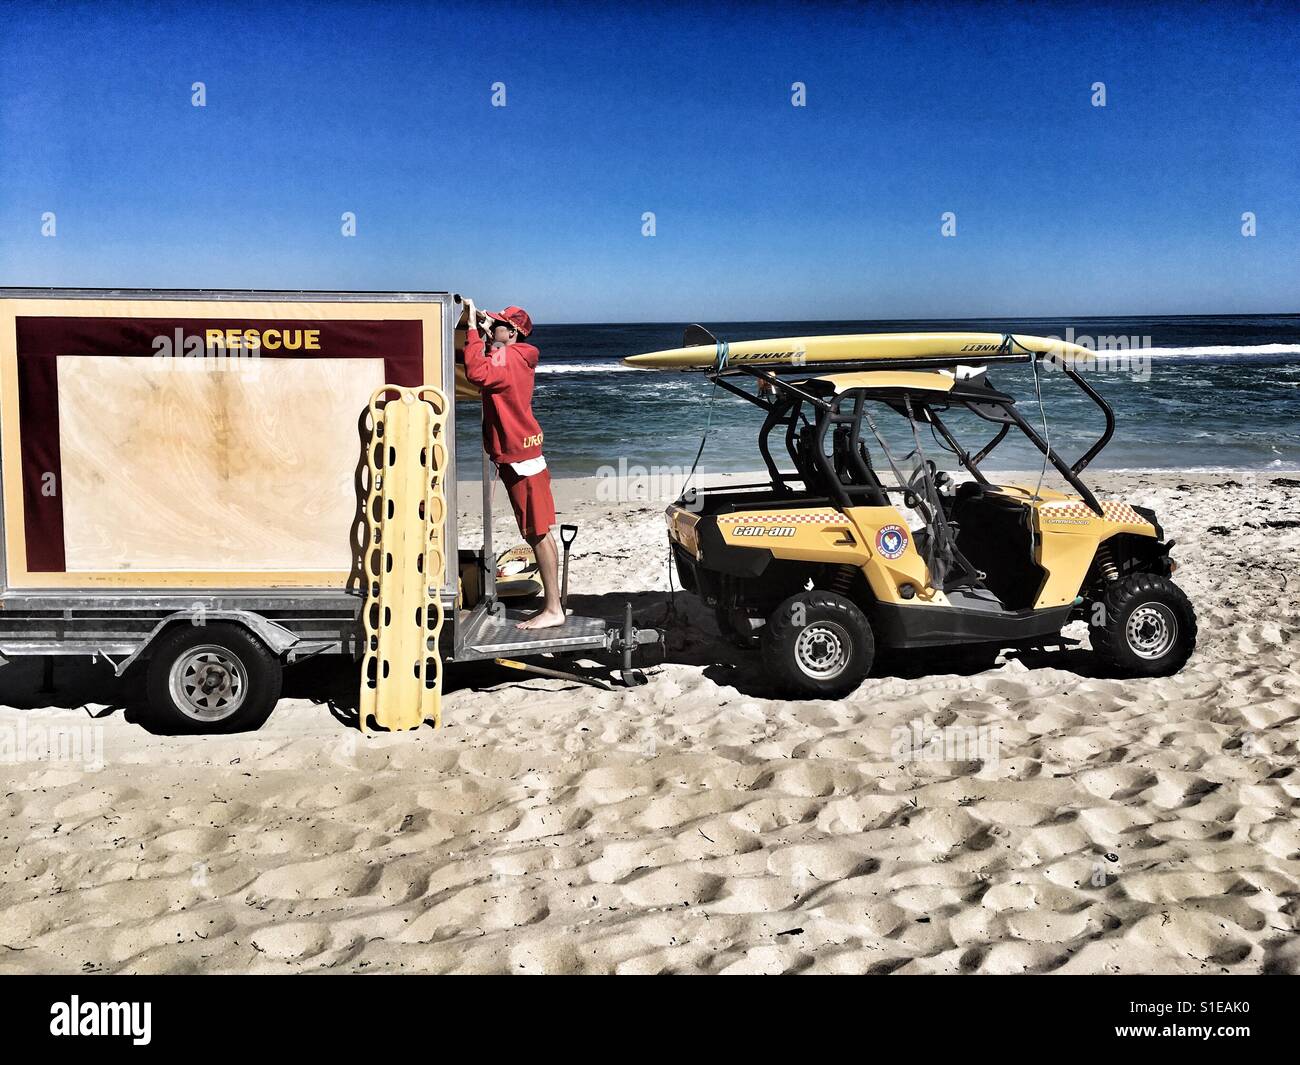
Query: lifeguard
x=513, y=439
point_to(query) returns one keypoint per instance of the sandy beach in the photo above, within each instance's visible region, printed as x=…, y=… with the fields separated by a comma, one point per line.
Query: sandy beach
x=1059, y=822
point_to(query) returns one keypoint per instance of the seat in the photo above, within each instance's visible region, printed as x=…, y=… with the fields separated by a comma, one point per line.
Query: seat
x=994, y=534
x=806, y=446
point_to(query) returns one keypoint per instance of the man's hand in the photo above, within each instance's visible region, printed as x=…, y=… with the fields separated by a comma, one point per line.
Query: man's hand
x=480, y=320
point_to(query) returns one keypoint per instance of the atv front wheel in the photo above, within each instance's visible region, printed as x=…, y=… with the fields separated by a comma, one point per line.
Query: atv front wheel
x=1147, y=627
x=818, y=644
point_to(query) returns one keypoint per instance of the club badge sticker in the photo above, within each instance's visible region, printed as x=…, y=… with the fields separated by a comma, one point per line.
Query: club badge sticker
x=891, y=541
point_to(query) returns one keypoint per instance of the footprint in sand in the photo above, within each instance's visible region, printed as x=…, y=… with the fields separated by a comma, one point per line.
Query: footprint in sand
x=826, y=861
x=492, y=905
x=673, y=886
x=1117, y=782
x=1008, y=958
x=338, y=876
x=1198, y=937
x=292, y=940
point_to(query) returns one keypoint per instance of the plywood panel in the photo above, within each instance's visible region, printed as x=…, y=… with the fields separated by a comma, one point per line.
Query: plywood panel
x=174, y=465
x=142, y=305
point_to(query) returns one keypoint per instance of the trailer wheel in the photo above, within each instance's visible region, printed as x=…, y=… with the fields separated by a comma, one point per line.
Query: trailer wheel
x=819, y=644
x=212, y=678
x=1147, y=629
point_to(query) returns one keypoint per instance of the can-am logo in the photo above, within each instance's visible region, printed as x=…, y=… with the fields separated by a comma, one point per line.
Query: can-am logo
x=764, y=530
x=891, y=541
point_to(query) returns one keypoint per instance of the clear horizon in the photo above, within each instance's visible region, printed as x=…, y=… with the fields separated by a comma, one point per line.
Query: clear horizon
x=761, y=321
x=763, y=211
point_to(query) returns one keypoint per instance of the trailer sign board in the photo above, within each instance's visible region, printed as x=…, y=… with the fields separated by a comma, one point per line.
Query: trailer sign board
x=240, y=473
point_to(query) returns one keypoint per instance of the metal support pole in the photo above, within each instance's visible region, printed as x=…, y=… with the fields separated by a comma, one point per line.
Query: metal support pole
x=629, y=642
x=494, y=606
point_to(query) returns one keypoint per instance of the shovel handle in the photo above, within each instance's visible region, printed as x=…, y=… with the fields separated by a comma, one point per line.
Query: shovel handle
x=567, y=533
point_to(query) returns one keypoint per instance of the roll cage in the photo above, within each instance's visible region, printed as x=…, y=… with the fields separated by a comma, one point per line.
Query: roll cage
x=808, y=411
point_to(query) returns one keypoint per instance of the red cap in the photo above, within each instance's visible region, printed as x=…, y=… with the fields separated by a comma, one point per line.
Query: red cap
x=516, y=316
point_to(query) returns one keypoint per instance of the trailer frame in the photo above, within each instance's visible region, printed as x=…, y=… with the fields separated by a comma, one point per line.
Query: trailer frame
x=122, y=625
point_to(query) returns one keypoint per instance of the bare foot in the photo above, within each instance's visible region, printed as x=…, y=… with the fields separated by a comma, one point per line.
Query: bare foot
x=547, y=619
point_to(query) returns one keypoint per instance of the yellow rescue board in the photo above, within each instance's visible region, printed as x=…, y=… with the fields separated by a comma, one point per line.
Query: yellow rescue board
x=406, y=506
x=969, y=347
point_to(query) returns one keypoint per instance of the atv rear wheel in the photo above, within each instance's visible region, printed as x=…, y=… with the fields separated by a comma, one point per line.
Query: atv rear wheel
x=1147, y=627
x=818, y=644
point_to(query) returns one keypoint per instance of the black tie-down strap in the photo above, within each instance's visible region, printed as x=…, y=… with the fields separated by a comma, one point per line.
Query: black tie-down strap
x=944, y=555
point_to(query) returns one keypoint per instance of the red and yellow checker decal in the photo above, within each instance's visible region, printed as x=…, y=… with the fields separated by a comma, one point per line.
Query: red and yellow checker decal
x=798, y=517
x=1071, y=534
x=1121, y=513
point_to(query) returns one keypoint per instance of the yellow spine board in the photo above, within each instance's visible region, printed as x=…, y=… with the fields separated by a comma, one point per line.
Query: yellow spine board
x=401, y=672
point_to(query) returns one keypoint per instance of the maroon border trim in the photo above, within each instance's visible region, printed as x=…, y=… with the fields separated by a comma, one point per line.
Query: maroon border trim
x=40, y=340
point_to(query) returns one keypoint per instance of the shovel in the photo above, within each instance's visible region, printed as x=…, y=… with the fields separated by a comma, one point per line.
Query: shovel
x=568, y=533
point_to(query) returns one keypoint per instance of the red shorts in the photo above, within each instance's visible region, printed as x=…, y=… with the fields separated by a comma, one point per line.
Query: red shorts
x=531, y=498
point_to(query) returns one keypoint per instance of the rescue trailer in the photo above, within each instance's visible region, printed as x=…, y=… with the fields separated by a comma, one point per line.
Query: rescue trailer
x=198, y=484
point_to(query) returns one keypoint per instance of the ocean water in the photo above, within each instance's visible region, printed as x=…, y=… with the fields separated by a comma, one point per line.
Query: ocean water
x=1221, y=392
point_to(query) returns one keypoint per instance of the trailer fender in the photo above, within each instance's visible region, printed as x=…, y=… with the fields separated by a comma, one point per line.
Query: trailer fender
x=279, y=639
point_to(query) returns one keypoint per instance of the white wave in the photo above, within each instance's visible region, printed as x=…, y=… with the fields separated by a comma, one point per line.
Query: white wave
x=1274, y=466
x=587, y=367
x=1221, y=350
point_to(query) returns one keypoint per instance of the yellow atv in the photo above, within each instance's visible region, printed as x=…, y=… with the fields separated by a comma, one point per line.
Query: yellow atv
x=861, y=546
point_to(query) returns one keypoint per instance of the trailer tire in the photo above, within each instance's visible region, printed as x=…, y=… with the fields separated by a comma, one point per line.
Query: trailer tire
x=818, y=644
x=215, y=678
x=1147, y=627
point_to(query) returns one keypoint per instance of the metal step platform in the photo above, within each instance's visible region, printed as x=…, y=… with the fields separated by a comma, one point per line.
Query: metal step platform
x=484, y=635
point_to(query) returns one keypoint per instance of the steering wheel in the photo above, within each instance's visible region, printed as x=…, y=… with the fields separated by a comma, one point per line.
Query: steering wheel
x=943, y=481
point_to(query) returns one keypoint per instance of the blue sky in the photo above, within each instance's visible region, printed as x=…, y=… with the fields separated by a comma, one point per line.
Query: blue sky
x=763, y=210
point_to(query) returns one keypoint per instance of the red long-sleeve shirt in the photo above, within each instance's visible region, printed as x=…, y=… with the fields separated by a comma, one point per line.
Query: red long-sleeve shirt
x=510, y=431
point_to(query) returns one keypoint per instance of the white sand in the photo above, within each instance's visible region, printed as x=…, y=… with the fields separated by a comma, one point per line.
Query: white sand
x=693, y=825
